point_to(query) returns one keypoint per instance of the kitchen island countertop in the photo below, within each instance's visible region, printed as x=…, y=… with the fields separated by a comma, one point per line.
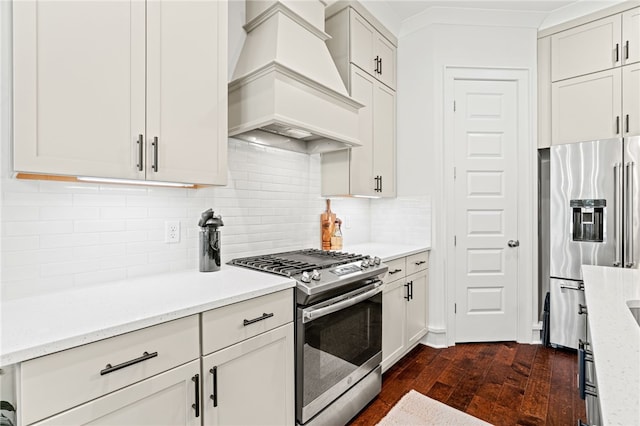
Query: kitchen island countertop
x=40, y=325
x=615, y=341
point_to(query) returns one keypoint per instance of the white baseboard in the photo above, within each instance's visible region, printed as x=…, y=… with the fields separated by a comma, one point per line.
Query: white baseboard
x=435, y=337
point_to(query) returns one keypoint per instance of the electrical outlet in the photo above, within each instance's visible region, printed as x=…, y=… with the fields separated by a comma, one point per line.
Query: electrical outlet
x=172, y=231
x=346, y=222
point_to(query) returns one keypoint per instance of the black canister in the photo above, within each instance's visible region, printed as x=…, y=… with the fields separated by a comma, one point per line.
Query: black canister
x=209, y=244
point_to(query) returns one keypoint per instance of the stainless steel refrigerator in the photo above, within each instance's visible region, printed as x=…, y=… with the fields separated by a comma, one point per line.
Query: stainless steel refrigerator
x=594, y=213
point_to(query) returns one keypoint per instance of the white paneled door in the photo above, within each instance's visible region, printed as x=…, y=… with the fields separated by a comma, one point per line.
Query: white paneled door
x=486, y=186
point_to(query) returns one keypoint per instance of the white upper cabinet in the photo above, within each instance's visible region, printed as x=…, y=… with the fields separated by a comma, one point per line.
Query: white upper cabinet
x=365, y=56
x=187, y=91
x=631, y=99
x=585, y=49
x=79, y=87
x=371, y=51
x=587, y=108
x=95, y=83
x=631, y=36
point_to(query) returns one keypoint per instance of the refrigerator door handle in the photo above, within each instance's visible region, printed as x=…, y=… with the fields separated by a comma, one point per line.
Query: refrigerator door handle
x=629, y=259
x=617, y=214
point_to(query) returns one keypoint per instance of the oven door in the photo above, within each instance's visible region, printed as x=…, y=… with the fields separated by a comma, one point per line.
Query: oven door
x=338, y=342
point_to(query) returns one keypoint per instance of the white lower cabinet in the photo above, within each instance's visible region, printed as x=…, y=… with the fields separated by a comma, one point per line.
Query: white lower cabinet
x=394, y=320
x=168, y=399
x=417, y=307
x=233, y=365
x=251, y=382
x=248, y=362
x=405, y=304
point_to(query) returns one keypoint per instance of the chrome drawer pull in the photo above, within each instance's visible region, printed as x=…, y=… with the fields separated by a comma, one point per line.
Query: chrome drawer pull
x=111, y=368
x=261, y=318
x=395, y=271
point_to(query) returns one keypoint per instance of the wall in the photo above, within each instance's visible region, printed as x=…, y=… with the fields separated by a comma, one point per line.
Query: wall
x=424, y=52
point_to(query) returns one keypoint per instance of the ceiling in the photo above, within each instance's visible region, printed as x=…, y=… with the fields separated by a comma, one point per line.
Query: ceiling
x=408, y=8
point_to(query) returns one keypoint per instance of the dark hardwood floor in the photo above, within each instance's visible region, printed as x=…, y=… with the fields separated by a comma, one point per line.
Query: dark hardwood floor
x=502, y=383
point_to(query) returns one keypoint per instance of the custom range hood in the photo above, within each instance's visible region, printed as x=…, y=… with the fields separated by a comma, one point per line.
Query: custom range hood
x=286, y=91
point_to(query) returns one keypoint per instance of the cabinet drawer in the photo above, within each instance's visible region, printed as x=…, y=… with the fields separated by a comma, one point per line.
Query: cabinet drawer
x=397, y=270
x=56, y=382
x=417, y=262
x=231, y=324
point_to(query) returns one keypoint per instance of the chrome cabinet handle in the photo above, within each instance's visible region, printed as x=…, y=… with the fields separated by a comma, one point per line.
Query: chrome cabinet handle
x=395, y=271
x=263, y=317
x=140, y=152
x=154, y=166
x=617, y=188
x=111, y=368
x=513, y=243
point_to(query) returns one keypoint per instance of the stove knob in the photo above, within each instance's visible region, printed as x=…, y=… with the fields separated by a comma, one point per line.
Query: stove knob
x=376, y=260
x=315, y=275
x=305, y=278
x=365, y=263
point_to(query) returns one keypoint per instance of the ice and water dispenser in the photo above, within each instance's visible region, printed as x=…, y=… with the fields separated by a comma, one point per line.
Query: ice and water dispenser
x=588, y=220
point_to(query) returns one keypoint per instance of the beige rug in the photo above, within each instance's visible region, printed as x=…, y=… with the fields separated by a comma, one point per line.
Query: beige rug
x=417, y=409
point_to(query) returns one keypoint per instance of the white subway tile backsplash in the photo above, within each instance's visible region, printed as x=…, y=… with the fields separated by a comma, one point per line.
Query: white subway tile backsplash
x=100, y=200
x=57, y=235
x=55, y=213
x=99, y=225
x=19, y=213
x=20, y=243
x=123, y=212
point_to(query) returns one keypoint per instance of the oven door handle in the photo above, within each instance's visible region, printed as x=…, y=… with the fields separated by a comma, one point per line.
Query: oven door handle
x=311, y=314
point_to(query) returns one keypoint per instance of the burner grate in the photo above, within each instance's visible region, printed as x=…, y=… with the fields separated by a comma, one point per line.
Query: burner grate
x=296, y=262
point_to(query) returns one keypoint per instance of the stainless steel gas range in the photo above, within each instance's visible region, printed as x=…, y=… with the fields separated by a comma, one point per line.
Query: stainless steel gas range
x=338, y=330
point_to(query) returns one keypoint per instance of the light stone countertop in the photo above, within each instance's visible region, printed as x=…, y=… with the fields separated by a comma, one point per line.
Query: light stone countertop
x=615, y=341
x=386, y=251
x=36, y=326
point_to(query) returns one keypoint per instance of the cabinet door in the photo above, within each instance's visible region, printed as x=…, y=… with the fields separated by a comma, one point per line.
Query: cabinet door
x=587, y=108
x=79, y=87
x=587, y=48
x=362, y=43
x=417, y=307
x=394, y=323
x=631, y=35
x=187, y=91
x=364, y=89
x=384, y=139
x=387, y=53
x=631, y=99
x=165, y=399
x=252, y=382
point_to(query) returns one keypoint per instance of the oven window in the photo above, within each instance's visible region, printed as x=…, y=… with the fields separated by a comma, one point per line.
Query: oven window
x=337, y=344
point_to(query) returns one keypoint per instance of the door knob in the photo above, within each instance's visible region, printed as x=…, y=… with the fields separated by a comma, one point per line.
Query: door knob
x=513, y=243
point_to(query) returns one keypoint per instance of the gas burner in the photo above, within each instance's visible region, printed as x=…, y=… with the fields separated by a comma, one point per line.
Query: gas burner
x=296, y=262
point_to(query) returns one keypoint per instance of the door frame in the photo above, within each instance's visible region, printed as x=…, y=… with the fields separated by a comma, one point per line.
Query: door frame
x=527, y=214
